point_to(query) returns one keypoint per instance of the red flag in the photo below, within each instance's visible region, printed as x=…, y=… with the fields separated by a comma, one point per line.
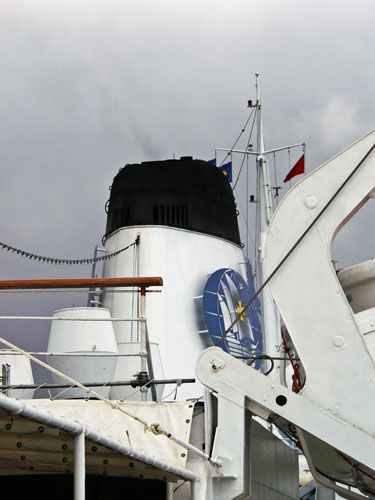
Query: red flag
x=299, y=168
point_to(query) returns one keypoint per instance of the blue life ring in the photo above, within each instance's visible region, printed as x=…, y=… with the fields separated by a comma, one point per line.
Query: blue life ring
x=224, y=295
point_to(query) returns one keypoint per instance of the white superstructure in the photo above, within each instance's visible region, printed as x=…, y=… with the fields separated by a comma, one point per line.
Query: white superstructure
x=175, y=325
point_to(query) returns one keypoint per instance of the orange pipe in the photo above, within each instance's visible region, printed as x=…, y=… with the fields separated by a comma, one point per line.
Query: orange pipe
x=80, y=283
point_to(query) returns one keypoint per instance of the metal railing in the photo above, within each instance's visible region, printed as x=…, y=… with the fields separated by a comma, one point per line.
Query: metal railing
x=139, y=285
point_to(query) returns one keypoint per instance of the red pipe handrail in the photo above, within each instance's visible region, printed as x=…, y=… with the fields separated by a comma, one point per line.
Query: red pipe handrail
x=81, y=283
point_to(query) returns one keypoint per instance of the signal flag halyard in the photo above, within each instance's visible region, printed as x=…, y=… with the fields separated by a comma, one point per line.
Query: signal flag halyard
x=298, y=169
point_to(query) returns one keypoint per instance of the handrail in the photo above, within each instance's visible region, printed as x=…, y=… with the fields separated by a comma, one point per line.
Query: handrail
x=100, y=384
x=61, y=318
x=142, y=282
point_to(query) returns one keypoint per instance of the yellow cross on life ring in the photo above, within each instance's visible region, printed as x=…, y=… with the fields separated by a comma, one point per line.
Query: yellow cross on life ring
x=240, y=308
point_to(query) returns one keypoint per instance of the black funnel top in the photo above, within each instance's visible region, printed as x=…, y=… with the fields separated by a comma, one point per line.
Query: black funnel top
x=186, y=193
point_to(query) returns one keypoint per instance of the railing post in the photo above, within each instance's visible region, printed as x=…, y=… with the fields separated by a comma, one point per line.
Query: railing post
x=5, y=377
x=143, y=338
x=79, y=466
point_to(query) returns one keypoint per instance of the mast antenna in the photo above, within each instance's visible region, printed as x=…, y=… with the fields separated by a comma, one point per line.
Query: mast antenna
x=270, y=314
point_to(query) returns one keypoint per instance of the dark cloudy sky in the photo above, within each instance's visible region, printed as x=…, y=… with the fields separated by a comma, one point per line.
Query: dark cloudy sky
x=89, y=85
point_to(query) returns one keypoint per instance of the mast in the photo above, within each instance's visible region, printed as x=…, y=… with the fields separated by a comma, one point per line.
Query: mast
x=270, y=314
x=271, y=323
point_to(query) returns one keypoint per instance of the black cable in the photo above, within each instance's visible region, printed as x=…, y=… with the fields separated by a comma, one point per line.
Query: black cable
x=264, y=356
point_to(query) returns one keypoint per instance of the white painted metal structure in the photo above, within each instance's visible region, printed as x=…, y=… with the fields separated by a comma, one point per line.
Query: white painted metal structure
x=333, y=336
x=333, y=415
x=151, y=456
x=358, y=283
x=184, y=259
x=80, y=432
x=19, y=372
x=74, y=337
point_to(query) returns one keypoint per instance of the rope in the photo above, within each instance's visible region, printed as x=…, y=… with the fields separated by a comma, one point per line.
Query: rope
x=297, y=384
x=52, y=260
x=75, y=383
x=296, y=244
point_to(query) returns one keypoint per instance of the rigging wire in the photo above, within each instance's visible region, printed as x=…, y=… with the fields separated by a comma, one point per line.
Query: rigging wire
x=277, y=187
x=246, y=217
x=247, y=227
x=138, y=389
x=247, y=207
x=134, y=298
x=296, y=244
x=245, y=155
x=175, y=389
x=274, y=167
x=229, y=153
x=56, y=261
x=238, y=138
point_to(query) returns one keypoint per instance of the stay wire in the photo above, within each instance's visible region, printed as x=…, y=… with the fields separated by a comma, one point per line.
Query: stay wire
x=296, y=244
x=242, y=212
x=245, y=155
x=277, y=188
x=274, y=167
x=247, y=207
x=135, y=250
x=238, y=138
